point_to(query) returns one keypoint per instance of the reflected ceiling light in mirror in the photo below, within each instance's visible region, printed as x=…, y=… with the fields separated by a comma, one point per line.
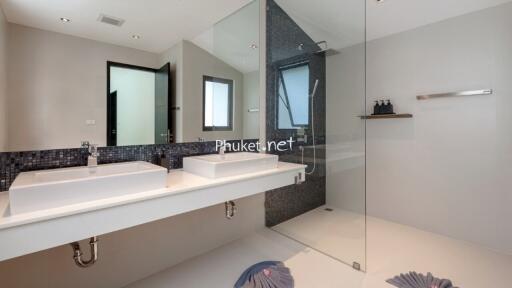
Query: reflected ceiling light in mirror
x=65, y=20
x=136, y=37
x=253, y=46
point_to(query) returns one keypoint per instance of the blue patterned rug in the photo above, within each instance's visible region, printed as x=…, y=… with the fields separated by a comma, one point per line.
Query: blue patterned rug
x=268, y=274
x=415, y=280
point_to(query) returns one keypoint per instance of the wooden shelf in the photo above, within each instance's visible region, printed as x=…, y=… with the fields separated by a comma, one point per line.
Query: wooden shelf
x=388, y=116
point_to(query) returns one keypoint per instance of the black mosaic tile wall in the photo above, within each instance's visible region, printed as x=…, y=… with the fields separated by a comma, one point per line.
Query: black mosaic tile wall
x=13, y=163
x=284, y=37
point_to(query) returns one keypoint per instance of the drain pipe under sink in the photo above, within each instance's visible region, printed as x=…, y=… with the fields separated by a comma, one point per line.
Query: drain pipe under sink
x=230, y=209
x=77, y=253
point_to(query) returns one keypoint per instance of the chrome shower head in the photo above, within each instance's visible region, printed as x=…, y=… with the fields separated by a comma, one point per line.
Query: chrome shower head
x=328, y=51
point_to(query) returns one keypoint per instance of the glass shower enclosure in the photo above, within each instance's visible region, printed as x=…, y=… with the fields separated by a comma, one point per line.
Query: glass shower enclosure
x=316, y=94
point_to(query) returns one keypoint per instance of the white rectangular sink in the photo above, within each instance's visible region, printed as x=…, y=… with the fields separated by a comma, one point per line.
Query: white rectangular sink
x=230, y=164
x=38, y=190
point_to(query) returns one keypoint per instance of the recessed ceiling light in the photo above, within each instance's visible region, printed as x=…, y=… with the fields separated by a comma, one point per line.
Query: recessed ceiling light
x=253, y=46
x=65, y=20
x=136, y=37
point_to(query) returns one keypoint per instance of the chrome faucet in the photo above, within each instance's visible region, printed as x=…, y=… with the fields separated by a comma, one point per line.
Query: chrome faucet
x=92, y=160
x=222, y=149
x=85, y=144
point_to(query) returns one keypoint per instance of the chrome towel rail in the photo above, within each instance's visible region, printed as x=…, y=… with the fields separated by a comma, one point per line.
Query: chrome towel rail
x=456, y=94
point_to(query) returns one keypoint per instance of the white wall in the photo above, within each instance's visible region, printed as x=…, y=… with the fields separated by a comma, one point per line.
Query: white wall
x=197, y=63
x=135, y=253
x=448, y=169
x=3, y=81
x=135, y=105
x=251, y=120
x=57, y=82
x=345, y=150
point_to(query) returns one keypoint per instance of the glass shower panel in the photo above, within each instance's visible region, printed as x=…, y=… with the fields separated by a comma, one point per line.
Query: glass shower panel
x=316, y=94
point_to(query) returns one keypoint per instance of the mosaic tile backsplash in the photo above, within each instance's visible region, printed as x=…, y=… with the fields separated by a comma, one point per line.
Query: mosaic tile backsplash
x=13, y=163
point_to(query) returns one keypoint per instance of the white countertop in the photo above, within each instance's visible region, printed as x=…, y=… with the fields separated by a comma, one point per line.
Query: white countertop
x=54, y=227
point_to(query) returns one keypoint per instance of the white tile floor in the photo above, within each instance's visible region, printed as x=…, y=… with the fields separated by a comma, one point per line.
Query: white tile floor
x=338, y=233
x=221, y=268
x=391, y=249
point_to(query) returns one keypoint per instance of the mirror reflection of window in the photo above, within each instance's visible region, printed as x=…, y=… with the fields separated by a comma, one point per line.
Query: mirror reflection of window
x=293, y=100
x=218, y=104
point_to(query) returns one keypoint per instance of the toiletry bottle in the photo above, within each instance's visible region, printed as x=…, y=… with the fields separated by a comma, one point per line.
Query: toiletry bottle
x=376, y=108
x=389, y=106
x=382, y=107
x=385, y=107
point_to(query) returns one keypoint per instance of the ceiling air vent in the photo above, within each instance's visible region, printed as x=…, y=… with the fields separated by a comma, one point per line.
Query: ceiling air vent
x=110, y=20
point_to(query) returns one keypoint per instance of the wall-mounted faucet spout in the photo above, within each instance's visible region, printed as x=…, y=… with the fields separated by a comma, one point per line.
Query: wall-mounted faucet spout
x=92, y=151
x=77, y=253
x=92, y=160
x=222, y=149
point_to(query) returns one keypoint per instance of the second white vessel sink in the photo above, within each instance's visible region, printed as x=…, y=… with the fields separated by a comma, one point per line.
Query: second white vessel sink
x=38, y=190
x=230, y=164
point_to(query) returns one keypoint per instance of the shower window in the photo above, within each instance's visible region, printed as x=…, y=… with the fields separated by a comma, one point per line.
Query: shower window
x=293, y=97
x=217, y=104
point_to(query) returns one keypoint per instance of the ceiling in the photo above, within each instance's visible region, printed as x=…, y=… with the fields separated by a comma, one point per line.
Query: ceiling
x=339, y=22
x=160, y=23
x=163, y=23
x=342, y=24
x=394, y=16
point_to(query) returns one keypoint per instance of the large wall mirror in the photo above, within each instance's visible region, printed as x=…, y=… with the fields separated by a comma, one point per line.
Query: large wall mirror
x=114, y=81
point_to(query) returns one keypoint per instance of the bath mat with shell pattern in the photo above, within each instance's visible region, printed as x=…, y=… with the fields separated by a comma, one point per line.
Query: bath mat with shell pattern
x=415, y=280
x=268, y=274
